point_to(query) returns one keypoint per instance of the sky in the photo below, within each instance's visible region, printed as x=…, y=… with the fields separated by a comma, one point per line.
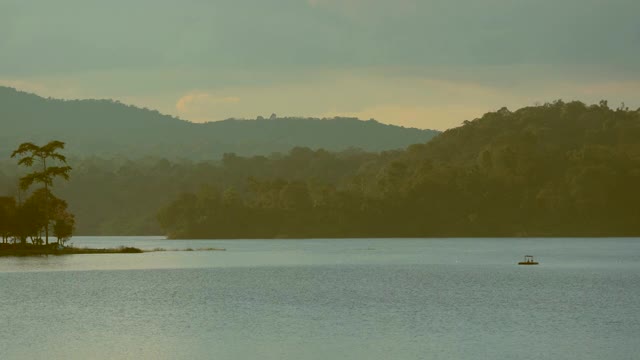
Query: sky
x=416, y=63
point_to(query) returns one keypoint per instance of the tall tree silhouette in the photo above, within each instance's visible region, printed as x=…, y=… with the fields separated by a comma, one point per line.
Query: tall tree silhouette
x=31, y=155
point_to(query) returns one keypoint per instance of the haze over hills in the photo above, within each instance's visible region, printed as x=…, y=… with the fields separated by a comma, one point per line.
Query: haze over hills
x=559, y=169
x=110, y=128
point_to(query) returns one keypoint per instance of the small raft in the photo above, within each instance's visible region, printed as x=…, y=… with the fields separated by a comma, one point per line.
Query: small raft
x=528, y=260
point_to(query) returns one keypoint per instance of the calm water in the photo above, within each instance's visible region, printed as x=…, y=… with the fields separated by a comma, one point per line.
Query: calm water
x=326, y=299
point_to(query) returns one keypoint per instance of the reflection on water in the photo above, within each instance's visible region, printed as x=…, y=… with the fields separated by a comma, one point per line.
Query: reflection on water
x=326, y=299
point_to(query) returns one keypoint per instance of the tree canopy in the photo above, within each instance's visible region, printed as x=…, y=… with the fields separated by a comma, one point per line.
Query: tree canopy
x=109, y=128
x=34, y=216
x=561, y=169
x=558, y=169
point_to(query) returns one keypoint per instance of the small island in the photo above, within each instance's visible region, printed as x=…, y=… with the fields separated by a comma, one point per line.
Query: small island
x=55, y=249
x=25, y=225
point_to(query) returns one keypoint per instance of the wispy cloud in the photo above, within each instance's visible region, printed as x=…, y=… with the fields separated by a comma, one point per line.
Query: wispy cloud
x=428, y=116
x=200, y=98
x=203, y=106
x=424, y=97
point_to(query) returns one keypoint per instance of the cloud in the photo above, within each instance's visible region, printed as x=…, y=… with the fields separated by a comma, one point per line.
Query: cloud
x=424, y=97
x=408, y=99
x=203, y=106
x=198, y=98
x=439, y=117
x=41, y=37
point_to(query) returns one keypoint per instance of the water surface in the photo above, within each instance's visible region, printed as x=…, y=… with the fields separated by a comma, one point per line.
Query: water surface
x=326, y=299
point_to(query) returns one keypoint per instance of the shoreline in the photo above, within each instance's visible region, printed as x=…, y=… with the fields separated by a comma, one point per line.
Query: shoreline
x=20, y=250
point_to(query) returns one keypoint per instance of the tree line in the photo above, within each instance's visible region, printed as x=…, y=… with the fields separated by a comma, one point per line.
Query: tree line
x=108, y=128
x=559, y=169
x=120, y=196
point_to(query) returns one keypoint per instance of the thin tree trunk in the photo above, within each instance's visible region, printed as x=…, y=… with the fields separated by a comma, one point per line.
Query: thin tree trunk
x=46, y=204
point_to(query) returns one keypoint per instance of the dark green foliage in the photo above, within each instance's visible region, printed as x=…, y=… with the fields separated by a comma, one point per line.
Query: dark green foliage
x=29, y=219
x=562, y=169
x=64, y=222
x=128, y=250
x=121, y=197
x=109, y=128
x=30, y=155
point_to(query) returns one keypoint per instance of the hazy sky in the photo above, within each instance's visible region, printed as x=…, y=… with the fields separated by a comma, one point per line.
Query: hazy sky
x=420, y=63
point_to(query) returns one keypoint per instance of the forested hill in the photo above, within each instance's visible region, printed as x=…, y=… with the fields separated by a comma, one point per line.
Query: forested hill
x=511, y=138
x=559, y=169
x=110, y=128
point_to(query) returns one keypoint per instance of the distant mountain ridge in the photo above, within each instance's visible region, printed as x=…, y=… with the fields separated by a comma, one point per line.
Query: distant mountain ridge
x=110, y=128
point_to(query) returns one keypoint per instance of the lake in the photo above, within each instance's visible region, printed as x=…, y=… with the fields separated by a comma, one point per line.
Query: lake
x=326, y=299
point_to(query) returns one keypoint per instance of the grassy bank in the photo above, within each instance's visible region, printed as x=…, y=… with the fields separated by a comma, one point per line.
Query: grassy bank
x=54, y=249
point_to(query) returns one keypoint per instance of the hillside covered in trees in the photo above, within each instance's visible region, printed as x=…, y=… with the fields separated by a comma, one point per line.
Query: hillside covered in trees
x=118, y=196
x=108, y=128
x=560, y=169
